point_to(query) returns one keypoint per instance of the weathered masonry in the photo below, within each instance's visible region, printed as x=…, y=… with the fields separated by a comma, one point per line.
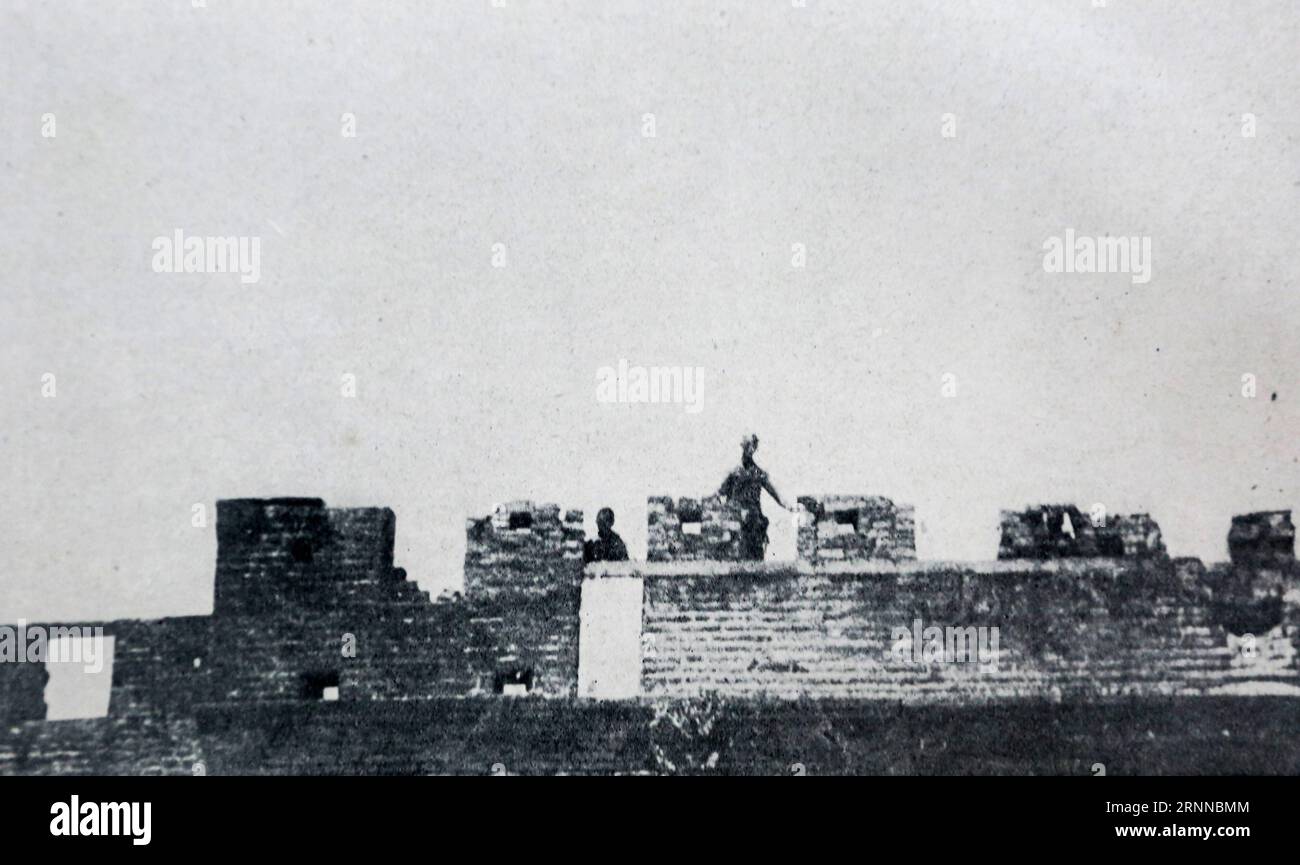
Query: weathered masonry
x=321, y=656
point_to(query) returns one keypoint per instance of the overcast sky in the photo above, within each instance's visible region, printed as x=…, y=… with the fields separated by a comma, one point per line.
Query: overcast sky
x=526, y=126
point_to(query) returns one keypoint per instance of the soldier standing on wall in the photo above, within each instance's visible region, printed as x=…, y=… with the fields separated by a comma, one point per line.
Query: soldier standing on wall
x=745, y=487
x=608, y=546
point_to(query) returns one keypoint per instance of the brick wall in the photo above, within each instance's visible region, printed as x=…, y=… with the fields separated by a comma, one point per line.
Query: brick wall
x=306, y=593
x=687, y=529
x=1265, y=538
x=307, y=598
x=518, y=539
x=153, y=671
x=440, y=737
x=273, y=551
x=136, y=745
x=1086, y=628
x=309, y=595
x=1186, y=736
x=1063, y=531
x=22, y=692
x=1207, y=735
x=161, y=666
x=855, y=528
x=523, y=584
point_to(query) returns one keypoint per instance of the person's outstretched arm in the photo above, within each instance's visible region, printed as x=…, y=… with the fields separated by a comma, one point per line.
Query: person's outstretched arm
x=771, y=491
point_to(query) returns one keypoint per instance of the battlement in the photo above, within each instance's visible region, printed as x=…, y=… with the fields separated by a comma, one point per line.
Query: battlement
x=523, y=547
x=855, y=528
x=521, y=531
x=1264, y=538
x=310, y=609
x=270, y=549
x=1063, y=531
x=689, y=529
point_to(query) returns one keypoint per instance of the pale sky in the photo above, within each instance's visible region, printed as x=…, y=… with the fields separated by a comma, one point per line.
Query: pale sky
x=523, y=126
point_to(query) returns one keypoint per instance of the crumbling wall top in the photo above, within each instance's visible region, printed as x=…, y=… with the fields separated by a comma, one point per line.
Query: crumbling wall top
x=1262, y=538
x=855, y=528
x=691, y=529
x=520, y=532
x=1064, y=531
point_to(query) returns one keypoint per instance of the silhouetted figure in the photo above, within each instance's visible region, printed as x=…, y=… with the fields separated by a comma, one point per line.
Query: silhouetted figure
x=608, y=546
x=745, y=486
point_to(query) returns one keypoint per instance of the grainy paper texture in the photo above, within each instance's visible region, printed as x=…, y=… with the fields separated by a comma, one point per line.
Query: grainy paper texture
x=1006, y=290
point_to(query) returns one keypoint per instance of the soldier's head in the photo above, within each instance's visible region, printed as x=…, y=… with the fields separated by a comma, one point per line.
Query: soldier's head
x=604, y=520
x=748, y=445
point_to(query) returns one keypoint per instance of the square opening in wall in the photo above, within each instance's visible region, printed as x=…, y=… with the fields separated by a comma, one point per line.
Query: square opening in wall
x=514, y=683
x=80, y=668
x=301, y=551
x=520, y=520
x=320, y=685
x=848, y=518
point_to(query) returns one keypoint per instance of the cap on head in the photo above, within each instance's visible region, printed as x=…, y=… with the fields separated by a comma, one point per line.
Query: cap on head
x=605, y=517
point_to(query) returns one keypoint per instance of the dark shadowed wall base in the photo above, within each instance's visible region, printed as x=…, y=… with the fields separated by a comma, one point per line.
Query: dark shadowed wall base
x=1206, y=735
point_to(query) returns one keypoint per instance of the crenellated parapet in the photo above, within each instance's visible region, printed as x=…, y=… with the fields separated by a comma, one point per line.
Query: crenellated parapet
x=522, y=546
x=1263, y=567
x=309, y=609
x=855, y=528
x=1065, y=532
x=1262, y=539
x=688, y=529
x=521, y=531
x=523, y=588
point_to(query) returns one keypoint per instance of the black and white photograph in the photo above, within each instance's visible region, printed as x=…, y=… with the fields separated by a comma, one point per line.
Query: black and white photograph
x=649, y=388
